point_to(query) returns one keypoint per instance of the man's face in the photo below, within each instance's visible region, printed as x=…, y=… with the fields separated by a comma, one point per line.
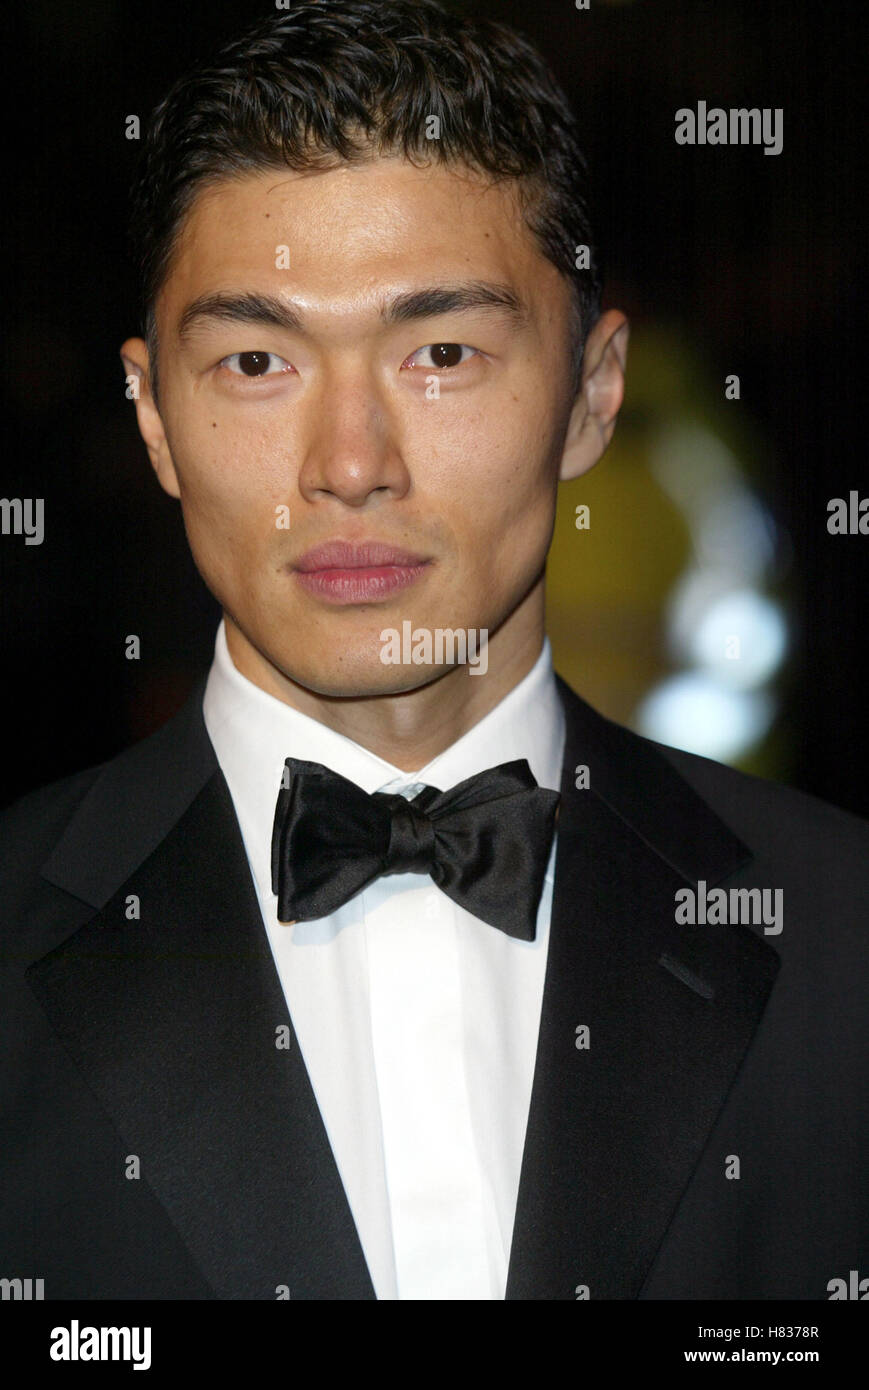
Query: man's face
x=351, y=427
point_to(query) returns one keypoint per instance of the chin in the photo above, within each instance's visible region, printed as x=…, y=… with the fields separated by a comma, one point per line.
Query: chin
x=365, y=680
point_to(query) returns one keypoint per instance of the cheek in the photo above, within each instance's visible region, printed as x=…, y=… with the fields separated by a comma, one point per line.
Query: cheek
x=230, y=486
x=505, y=497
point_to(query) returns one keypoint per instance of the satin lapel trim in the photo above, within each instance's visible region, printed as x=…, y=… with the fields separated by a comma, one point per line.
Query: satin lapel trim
x=173, y=1018
x=616, y=1130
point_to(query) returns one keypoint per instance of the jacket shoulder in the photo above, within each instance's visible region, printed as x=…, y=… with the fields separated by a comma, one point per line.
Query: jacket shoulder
x=30, y=826
x=815, y=852
x=748, y=802
x=121, y=806
x=658, y=786
x=29, y=830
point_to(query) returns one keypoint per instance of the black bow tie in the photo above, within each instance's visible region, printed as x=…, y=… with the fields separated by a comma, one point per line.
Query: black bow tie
x=485, y=842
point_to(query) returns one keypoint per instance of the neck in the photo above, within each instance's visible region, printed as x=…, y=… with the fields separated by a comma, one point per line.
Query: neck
x=411, y=727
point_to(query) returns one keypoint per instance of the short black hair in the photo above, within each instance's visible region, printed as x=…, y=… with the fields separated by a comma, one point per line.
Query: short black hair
x=341, y=80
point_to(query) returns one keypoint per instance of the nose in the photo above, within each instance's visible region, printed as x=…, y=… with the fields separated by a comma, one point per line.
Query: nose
x=353, y=453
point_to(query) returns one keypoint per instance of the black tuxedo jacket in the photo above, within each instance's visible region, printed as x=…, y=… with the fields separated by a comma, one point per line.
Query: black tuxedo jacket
x=713, y=1049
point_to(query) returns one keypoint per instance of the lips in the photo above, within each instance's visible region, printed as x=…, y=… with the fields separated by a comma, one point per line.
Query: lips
x=342, y=555
x=361, y=572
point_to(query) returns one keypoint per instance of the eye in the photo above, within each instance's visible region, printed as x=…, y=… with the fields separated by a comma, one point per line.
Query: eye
x=254, y=364
x=443, y=355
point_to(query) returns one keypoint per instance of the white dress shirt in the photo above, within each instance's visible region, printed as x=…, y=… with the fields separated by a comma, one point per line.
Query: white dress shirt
x=417, y=1022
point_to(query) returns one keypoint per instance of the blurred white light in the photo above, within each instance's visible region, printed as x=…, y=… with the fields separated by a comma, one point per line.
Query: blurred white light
x=694, y=467
x=736, y=535
x=741, y=639
x=693, y=712
x=693, y=595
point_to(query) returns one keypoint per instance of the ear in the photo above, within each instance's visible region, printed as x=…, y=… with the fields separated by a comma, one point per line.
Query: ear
x=593, y=417
x=134, y=355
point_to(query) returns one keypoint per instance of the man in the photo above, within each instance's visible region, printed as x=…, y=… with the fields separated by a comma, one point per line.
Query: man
x=388, y=968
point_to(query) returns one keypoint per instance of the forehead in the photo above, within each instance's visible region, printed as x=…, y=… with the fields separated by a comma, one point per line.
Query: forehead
x=342, y=235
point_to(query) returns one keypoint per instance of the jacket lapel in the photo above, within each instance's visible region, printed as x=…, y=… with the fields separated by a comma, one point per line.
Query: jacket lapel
x=616, y=1129
x=174, y=1019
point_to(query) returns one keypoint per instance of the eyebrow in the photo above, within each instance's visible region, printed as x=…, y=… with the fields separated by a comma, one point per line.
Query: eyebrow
x=272, y=311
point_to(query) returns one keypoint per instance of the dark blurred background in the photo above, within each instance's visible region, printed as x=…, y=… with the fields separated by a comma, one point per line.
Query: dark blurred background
x=751, y=263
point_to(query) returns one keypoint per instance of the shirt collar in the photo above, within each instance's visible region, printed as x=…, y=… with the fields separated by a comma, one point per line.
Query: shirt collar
x=254, y=732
